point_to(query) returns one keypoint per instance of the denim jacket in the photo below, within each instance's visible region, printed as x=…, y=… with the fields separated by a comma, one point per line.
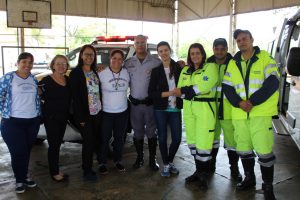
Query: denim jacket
x=6, y=96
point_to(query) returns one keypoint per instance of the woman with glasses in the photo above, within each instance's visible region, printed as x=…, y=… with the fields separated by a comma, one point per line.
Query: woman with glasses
x=55, y=95
x=86, y=102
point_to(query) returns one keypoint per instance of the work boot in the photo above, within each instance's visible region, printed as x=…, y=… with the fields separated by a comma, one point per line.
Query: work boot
x=139, y=144
x=267, y=174
x=250, y=179
x=234, y=169
x=202, y=168
x=194, y=177
x=212, y=162
x=268, y=192
x=152, y=143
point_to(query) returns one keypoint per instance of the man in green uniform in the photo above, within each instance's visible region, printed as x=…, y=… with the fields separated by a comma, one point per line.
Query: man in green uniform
x=250, y=84
x=221, y=58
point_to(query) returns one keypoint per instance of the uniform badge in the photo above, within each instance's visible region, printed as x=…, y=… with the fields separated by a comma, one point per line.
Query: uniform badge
x=205, y=78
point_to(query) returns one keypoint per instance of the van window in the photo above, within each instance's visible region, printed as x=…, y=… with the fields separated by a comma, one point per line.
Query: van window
x=294, y=42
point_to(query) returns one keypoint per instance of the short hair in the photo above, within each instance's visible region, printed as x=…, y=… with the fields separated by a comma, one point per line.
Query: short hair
x=220, y=41
x=25, y=55
x=142, y=36
x=203, y=53
x=239, y=31
x=55, y=58
x=113, y=52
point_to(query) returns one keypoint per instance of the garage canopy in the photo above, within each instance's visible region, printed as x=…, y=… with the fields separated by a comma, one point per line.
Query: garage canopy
x=160, y=10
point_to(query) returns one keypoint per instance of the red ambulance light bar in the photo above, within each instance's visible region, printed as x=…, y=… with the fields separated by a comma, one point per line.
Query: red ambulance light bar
x=114, y=38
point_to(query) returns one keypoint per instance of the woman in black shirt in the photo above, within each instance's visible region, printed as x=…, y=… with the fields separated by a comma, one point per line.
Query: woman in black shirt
x=55, y=109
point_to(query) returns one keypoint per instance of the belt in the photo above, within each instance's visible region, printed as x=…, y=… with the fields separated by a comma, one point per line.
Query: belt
x=204, y=99
x=135, y=101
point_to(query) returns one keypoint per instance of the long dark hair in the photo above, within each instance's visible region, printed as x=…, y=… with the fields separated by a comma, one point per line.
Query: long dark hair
x=80, y=61
x=200, y=47
x=172, y=70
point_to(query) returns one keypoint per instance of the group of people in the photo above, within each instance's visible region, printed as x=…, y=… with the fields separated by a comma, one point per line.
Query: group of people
x=234, y=95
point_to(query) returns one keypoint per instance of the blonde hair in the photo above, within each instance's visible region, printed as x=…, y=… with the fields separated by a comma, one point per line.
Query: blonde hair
x=55, y=58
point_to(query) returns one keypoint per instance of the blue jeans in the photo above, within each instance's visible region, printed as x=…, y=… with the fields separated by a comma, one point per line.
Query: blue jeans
x=19, y=135
x=173, y=119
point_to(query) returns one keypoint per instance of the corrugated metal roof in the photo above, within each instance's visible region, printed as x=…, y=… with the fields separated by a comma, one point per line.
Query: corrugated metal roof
x=160, y=10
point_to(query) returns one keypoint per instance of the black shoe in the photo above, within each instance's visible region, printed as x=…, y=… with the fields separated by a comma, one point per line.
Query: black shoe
x=248, y=182
x=90, y=176
x=192, y=178
x=120, y=167
x=235, y=174
x=29, y=183
x=103, y=169
x=139, y=162
x=20, y=188
x=153, y=164
x=268, y=192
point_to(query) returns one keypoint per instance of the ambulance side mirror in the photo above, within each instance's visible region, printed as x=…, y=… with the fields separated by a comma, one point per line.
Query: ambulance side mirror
x=293, y=61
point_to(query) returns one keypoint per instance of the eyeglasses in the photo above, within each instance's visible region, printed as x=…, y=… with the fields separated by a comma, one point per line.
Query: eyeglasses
x=89, y=54
x=61, y=64
x=140, y=43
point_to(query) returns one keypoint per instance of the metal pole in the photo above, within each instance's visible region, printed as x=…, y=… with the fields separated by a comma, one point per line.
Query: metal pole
x=176, y=28
x=232, y=26
x=65, y=26
x=22, y=40
x=106, y=31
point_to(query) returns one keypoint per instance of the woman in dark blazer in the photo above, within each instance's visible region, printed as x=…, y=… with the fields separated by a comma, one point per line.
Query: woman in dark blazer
x=86, y=96
x=167, y=107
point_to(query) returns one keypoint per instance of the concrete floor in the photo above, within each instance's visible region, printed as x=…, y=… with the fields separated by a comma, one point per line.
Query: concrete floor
x=143, y=183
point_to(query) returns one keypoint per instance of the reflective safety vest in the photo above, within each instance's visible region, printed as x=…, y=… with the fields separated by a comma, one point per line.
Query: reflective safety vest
x=224, y=106
x=205, y=80
x=261, y=66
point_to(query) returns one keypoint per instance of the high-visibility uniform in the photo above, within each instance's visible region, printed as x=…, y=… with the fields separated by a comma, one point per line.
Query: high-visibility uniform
x=199, y=108
x=255, y=80
x=224, y=122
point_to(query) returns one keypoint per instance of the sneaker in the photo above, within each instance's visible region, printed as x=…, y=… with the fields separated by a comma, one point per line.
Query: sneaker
x=103, y=169
x=166, y=171
x=29, y=183
x=20, y=188
x=173, y=169
x=90, y=176
x=120, y=167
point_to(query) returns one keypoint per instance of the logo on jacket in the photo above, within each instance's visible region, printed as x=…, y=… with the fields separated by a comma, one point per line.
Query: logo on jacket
x=205, y=78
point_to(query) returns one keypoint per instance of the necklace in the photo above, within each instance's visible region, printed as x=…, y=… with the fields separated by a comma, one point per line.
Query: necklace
x=116, y=80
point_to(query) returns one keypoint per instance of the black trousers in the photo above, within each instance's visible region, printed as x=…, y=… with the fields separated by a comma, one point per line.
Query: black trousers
x=55, y=130
x=113, y=124
x=90, y=134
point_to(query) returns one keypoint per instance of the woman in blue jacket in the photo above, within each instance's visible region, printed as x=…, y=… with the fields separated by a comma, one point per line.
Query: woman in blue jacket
x=20, y=110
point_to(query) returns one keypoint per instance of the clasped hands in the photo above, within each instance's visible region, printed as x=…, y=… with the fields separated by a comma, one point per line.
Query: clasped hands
x=246, y=105
x=175, y=92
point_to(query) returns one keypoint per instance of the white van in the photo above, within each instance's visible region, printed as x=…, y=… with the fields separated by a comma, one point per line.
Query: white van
x=286, y=50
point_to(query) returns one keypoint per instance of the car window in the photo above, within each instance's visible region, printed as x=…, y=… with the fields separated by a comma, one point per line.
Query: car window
x=294, y=42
